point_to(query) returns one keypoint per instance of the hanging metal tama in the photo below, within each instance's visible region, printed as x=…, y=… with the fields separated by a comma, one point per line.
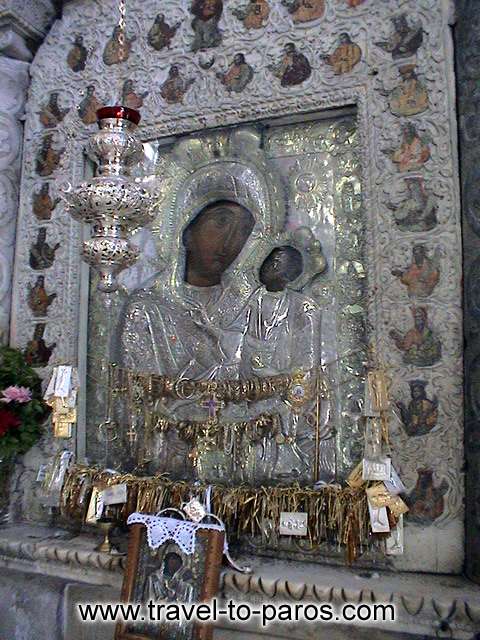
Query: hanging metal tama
x=113, y=202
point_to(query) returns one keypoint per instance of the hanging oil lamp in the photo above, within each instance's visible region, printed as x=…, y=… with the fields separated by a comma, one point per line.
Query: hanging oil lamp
x=112, y=202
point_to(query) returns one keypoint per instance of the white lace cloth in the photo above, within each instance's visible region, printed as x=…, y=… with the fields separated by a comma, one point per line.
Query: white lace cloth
x=182, y=532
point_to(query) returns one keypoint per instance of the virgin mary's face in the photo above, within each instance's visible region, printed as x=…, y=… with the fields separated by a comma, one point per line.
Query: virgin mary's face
x=214, y=240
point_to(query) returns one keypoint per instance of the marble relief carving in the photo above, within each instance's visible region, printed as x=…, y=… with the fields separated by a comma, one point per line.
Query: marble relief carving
x=13, y=86
x=393, y=90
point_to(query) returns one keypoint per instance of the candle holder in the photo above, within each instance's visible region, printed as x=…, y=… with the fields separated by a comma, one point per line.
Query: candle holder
x=106, y=525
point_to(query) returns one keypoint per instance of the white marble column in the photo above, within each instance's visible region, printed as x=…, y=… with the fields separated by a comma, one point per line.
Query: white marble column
x=14, y=82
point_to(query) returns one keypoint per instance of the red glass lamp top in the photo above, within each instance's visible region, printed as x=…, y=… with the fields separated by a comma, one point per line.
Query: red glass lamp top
x=120, y=112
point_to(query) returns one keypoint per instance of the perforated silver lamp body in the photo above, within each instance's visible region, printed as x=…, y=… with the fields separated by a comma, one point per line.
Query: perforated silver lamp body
x=113, y=203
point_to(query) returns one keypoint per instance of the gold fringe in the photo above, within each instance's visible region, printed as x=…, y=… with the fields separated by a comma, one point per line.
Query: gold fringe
x=337, y=515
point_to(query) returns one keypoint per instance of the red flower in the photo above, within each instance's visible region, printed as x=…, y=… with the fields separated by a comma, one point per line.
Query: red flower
x=8, y=420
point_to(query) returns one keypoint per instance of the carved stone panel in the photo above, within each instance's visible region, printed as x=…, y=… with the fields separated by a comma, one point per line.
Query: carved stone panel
x=209, y=65
x=13, y=88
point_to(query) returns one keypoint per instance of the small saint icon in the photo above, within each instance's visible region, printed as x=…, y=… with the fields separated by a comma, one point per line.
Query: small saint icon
x=345, y=57
x=37, y=352
x=77, y=56
x=42, y=255
x=175, y=87
x=238, y=75
x=48, y=158
x=38, y=299
x=88, y=107
x=51, y=113
x=42, y=202
x=161, y=33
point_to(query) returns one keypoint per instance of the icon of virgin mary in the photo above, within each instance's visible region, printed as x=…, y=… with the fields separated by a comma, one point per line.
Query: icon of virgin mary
x=193, y=320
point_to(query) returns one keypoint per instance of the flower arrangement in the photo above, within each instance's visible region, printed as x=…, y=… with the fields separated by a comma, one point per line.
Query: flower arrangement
x=22, y=409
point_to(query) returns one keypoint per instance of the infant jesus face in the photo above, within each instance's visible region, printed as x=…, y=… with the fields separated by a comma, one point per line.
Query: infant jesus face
x=283, y=265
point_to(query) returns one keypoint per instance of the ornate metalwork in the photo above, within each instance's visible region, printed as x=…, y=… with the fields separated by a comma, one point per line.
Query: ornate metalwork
x=111, y=202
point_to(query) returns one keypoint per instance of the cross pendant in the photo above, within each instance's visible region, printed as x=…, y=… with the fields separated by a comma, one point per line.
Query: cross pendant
x=132, y=435
x=213, y=405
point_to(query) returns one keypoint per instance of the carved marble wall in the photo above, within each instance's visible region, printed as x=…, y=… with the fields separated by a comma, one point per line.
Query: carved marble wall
x=13, y=87
x=468, y=54
x=196, y=66
x=21, y=22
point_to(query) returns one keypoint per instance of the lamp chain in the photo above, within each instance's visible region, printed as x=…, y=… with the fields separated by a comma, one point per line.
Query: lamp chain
x=122, y=9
